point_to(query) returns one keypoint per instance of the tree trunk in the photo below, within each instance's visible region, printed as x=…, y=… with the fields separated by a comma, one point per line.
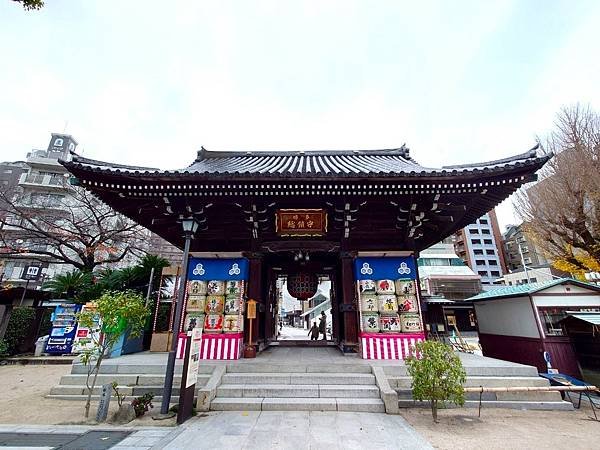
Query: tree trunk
x=434, y=410
x=91, y=388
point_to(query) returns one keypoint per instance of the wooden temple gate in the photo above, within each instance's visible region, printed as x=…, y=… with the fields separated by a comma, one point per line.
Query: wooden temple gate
x=377, y=204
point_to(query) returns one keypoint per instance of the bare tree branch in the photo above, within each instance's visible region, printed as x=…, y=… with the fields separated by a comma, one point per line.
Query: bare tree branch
x=562, y=211
x=78, y=230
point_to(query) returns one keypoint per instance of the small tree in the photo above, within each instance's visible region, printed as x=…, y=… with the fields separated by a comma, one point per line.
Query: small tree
x=117, y=312
x=437, y=375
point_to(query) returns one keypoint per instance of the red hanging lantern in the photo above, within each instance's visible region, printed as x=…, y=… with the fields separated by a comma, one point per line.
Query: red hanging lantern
x=302, y=285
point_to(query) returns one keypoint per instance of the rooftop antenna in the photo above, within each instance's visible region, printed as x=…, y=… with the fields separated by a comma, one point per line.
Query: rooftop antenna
x=65, y=128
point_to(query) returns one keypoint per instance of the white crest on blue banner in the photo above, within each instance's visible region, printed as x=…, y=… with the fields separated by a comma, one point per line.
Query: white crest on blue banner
x=199, y=269
x=235, y=269
x=403, y=269
x=366, y=269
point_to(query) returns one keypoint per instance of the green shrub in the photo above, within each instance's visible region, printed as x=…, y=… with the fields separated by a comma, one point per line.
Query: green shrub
x=19, y=326
x=3, y=348
x=437, y=375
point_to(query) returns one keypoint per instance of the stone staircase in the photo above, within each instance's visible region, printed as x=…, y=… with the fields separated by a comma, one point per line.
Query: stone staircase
x=261, y=387
x=515, y=375
x=132, y=379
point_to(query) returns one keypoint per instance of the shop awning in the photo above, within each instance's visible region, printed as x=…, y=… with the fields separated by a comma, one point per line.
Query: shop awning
x=590, y=317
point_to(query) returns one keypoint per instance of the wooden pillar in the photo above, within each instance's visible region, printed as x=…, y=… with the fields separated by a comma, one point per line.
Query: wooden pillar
x=348, y=306
x=255, y=292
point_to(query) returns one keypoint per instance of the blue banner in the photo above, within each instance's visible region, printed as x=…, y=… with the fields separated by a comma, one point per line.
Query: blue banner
x=218, y=269
x=385, y=268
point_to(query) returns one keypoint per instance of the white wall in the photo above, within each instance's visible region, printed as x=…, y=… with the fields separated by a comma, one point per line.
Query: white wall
x=509, y=317
x=567, y=300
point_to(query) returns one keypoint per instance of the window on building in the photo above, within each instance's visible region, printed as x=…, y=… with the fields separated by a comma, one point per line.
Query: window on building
x=492, y=262
x=475, y=241
x=510, y=283
x=533, y=280
x=58, y=142
x=487, y=241
x=474, y=231
x=71, y=147
x=7, y=170
x=495, y=273
x=490, y=252
x=483, y=221
x=480, y=262
x=478, y=252
x=483, y=273
x=485, y=231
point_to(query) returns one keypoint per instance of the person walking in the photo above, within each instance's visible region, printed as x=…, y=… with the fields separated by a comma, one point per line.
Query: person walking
x=314, y=332
x=323, y=325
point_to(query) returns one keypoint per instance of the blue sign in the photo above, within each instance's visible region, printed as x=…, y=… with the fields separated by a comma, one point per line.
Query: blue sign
x=385, y=268
x=218, y=269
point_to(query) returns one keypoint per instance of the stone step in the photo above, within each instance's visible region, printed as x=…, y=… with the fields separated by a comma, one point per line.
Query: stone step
x=130, y=391
x=508, y=404
x=297, y=368
x=146, y=369
x=297, y=404
x=299, y=378
x=299, y=390
x=127, y=380
x=547, y=396
x=482, y=370
x=475, y=381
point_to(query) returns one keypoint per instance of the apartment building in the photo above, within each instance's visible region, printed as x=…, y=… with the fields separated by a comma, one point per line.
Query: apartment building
x=480, y=246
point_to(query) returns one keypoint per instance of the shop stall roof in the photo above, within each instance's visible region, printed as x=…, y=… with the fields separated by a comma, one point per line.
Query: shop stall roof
x=526, y=289
x=590, y=317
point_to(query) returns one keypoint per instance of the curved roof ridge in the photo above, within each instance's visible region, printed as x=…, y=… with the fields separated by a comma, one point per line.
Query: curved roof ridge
x=531, y=153
x=94, y=162
x=403, y=151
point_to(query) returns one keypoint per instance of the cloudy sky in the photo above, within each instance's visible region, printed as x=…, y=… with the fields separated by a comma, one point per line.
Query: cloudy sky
x=149, y=82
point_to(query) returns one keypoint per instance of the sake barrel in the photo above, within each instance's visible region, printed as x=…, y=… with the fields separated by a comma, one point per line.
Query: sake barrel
x=366, y=286
x=215, y=287
x=389, y=324
x=232, y=304
x=370, y=323
x=407, y=303
x=232, y=323
x=385, y=287
x=214, y=304
x=368, y=303
x=405, y=287
x=387, y=304
x=213, y=323
x=233, y=287
x=196, y=302
x=197, y=287
x=193, y=320
x=410, y=323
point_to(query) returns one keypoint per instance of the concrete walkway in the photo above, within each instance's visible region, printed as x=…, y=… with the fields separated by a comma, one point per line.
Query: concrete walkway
x=226, y=430
x=297, y=430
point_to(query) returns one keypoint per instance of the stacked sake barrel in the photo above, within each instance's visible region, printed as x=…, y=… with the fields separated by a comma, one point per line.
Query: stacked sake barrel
x=389, y=306
x=216, y=305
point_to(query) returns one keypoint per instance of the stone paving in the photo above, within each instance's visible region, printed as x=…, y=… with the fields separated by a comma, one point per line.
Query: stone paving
x=246, y=430
x=297, y=430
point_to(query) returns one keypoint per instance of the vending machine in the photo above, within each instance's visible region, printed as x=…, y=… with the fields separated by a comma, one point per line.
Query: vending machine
x=86, y=338
x=64, y=329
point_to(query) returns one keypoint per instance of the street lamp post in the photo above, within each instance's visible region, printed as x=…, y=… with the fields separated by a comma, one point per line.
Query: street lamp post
x=190, y=226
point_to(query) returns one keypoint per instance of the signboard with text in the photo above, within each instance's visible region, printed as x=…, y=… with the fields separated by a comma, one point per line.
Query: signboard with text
x=194, y=357
x=301, y=222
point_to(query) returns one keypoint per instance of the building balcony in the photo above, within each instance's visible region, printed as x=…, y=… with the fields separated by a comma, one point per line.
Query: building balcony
x=44, y=158
x=46, y=181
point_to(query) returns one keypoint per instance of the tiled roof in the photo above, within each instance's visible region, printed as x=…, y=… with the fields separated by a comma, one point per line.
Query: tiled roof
x=348, y=163
x=525, y=289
